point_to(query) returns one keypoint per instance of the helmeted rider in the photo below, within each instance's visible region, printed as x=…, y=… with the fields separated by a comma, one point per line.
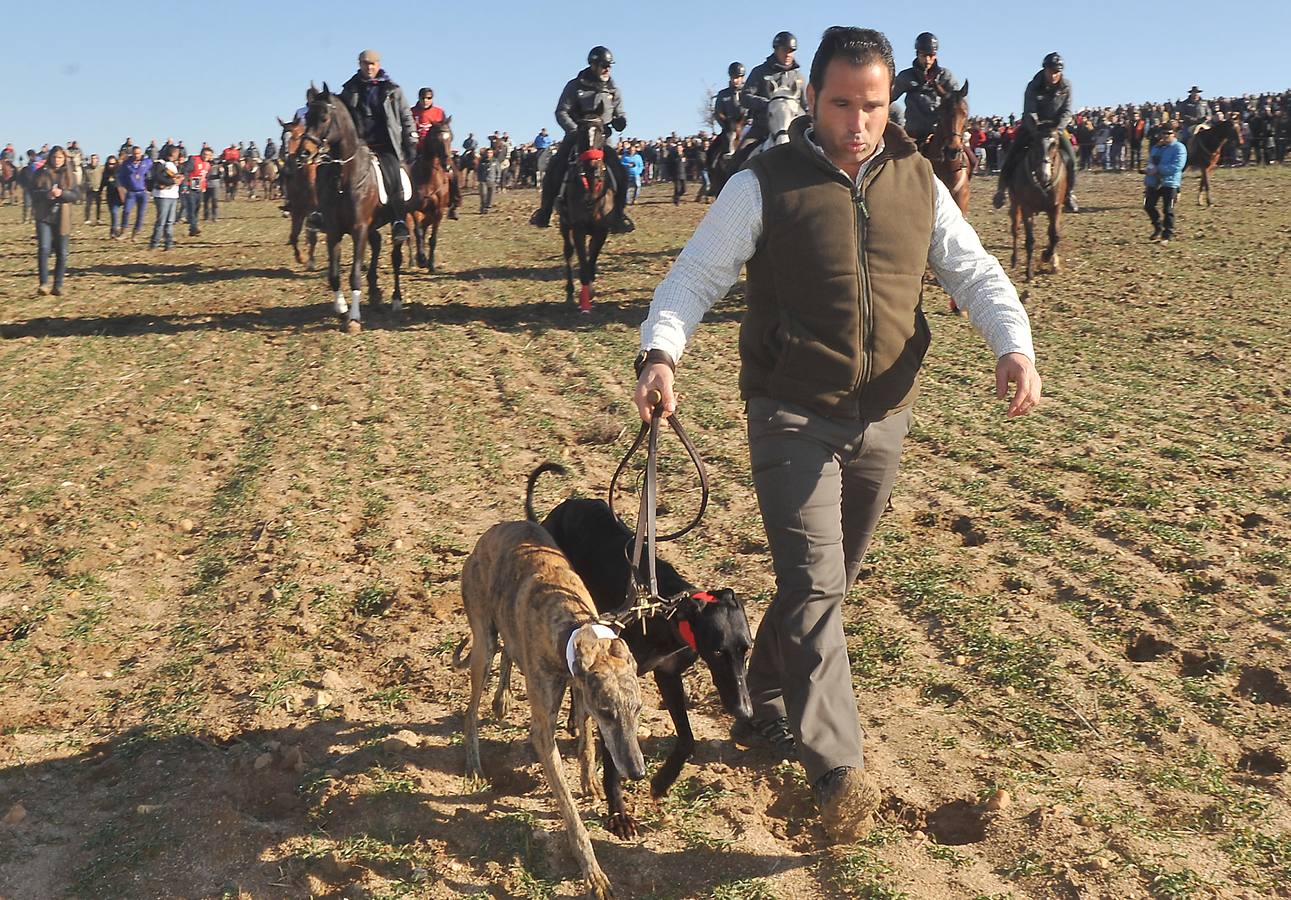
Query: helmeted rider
x=923, y=85
x=779, y=72
x=384, y=122
x=728, y=107
x=270, y=149
x=578, y=100
x=1047, y=104
x=425, y=116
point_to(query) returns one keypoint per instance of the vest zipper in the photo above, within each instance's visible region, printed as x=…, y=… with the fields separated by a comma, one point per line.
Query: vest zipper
x=867, y=317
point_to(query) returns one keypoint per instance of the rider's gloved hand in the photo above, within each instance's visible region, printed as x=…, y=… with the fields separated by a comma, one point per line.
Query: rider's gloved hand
x=619, y=124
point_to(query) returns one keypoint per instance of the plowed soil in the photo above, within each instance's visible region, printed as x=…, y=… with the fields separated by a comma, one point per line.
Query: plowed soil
x=231, y=537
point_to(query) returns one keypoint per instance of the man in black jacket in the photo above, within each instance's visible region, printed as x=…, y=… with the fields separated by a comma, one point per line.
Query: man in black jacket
x=578, y=101
x=923, y=84
x=1046, y=104
x=384, y=121
x=779, y=72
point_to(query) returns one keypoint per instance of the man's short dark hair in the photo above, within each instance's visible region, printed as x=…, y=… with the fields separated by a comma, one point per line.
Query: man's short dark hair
x=859, y=46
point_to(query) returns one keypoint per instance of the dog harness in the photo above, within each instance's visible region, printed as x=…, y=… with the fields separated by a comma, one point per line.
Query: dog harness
x=599, y=630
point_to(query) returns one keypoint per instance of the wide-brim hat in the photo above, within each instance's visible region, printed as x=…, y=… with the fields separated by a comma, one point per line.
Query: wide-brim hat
x=1194, y=90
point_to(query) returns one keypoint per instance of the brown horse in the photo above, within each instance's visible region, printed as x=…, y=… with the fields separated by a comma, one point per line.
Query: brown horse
x=268, y=175
x=1205, y=147
x=952, y=162
x=8, y=181
x=431, y=174
x=247, y=169
x=721, y=157
x=299, y=191
x=585, y=207
x=349, y=201
x=1039, y=185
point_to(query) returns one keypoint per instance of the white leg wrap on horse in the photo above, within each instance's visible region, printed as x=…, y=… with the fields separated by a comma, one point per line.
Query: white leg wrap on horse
x=354, y=305
x=340, y=305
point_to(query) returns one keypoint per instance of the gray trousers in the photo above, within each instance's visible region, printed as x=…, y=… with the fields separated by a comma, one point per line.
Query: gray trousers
x=822, y=484
x=486, y=196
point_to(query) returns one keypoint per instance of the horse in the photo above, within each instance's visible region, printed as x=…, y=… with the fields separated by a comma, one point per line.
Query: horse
x=782, y=108
x=299, y=193
x=348, y=200
x=952, y=162
x=431, y=174
x=1039, y=184
x=1205, y=147
x=268, y=175
x=721, y=157
x=466, y=162
x=8, y=181
x=585, y=206
x=230, y=174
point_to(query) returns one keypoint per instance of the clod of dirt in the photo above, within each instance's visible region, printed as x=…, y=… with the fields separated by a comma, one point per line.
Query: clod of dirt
x=1253, y=520
x=971, y=535
x=15, y=815
x=998, y=801
x=1145, y=646
x=956, y=823
x=1264, y=761
x=1199, y=663
x=1263, y=685
x=263, y=761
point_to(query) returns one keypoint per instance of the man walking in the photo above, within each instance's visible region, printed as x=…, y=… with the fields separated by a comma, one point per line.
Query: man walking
x=836, y=228
x=132, y=180
x=488, y=173
x=1166, y=162
x=91, y=175
x=384, y=121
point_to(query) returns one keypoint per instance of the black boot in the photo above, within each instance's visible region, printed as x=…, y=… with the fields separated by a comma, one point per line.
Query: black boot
x=621, y=224
x=998, y=200
x=399, y=230
x=452, y=212
x=315, y=220
x=541, y=217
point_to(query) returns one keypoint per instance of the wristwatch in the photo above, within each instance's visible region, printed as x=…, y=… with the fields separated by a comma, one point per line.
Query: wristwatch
x=650, y=357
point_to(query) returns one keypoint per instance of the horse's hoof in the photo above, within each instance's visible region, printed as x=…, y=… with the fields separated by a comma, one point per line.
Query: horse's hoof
x=353, y=326
x=396, y=305
x=309, y=266
x=340, y=307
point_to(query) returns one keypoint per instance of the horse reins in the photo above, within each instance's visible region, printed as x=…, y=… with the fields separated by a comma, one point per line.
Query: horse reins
x=642, y=601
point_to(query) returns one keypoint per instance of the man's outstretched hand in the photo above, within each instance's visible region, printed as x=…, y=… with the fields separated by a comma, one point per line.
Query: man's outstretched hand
x=655, y=377
x=1016, y=369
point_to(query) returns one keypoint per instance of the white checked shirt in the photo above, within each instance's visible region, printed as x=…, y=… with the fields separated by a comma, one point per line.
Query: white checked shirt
x=728, y=236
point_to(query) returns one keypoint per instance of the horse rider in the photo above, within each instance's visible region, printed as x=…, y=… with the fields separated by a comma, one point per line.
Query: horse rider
x=425, y=116
x=1192, y=112
x=270, y=149
x=923, y=84
x=778, y=73
x=728, y=107
x=384, y=122
x=578, y=100
x=1047, y=104
x=253, y=152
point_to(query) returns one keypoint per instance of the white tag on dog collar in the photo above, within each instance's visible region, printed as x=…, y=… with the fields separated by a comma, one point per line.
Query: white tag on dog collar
x=601, y=631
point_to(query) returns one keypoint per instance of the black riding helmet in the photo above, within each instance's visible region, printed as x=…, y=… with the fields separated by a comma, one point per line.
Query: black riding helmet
x=1053, y=62
x=784, y=41
x=735, y=70
x=926, y=43
x=600, y=56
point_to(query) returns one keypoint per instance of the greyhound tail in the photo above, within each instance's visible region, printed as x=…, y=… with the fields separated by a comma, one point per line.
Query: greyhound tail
x=533, y=480
x=458, y=662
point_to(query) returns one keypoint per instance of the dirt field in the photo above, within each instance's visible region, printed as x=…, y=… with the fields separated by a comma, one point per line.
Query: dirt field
x=232, y=536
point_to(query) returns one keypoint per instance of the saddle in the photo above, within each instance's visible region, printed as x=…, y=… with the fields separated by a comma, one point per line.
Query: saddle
x=383, y=188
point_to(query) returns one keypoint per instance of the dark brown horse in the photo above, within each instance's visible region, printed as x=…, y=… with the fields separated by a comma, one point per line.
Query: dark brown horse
x=299, y=191
x=1205, y=147
x=952, y=162
x=585, y=207
x=349, y=200
x=1039, y=185
x=431, y=174
x=721, y=157
x=8, y=181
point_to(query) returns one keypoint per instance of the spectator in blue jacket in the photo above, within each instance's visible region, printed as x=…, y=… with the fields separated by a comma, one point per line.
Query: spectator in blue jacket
x=634, y=165
x=132, y=179
x=542, y=141
x=1163, y=178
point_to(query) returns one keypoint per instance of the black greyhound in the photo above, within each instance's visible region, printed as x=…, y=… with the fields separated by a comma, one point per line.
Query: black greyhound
x=707, y=624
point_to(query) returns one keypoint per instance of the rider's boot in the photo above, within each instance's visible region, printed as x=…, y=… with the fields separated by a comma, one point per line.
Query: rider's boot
x=541, y=217
x=621, y=224
x=399, y=230
x=452, y=212
x=998, y=200
x=315, y=220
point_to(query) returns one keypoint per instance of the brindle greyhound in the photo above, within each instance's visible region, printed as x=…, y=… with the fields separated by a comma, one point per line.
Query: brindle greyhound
x=518, y=586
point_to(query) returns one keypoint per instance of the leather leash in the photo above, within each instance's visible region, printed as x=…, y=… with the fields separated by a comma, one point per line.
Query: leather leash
x=643, y=600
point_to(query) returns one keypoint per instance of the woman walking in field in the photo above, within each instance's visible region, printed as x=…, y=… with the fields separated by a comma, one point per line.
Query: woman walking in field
x=52, y=200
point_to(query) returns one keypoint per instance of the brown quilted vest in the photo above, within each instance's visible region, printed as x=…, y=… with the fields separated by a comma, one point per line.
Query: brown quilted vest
x=834, y=319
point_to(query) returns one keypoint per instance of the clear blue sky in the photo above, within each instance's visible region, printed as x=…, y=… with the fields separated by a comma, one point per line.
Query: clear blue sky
x=101, y=71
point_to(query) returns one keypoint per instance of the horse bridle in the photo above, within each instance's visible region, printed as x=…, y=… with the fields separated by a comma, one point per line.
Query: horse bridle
x=320, y=154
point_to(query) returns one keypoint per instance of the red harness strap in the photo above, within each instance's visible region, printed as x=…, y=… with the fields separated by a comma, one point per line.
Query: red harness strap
x=591, y=155
x=683, y=627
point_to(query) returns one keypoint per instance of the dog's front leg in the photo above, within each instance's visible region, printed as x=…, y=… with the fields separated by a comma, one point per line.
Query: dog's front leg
x=673, y=693
x=620, y=823
x=545, y=697
x=582, y=721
